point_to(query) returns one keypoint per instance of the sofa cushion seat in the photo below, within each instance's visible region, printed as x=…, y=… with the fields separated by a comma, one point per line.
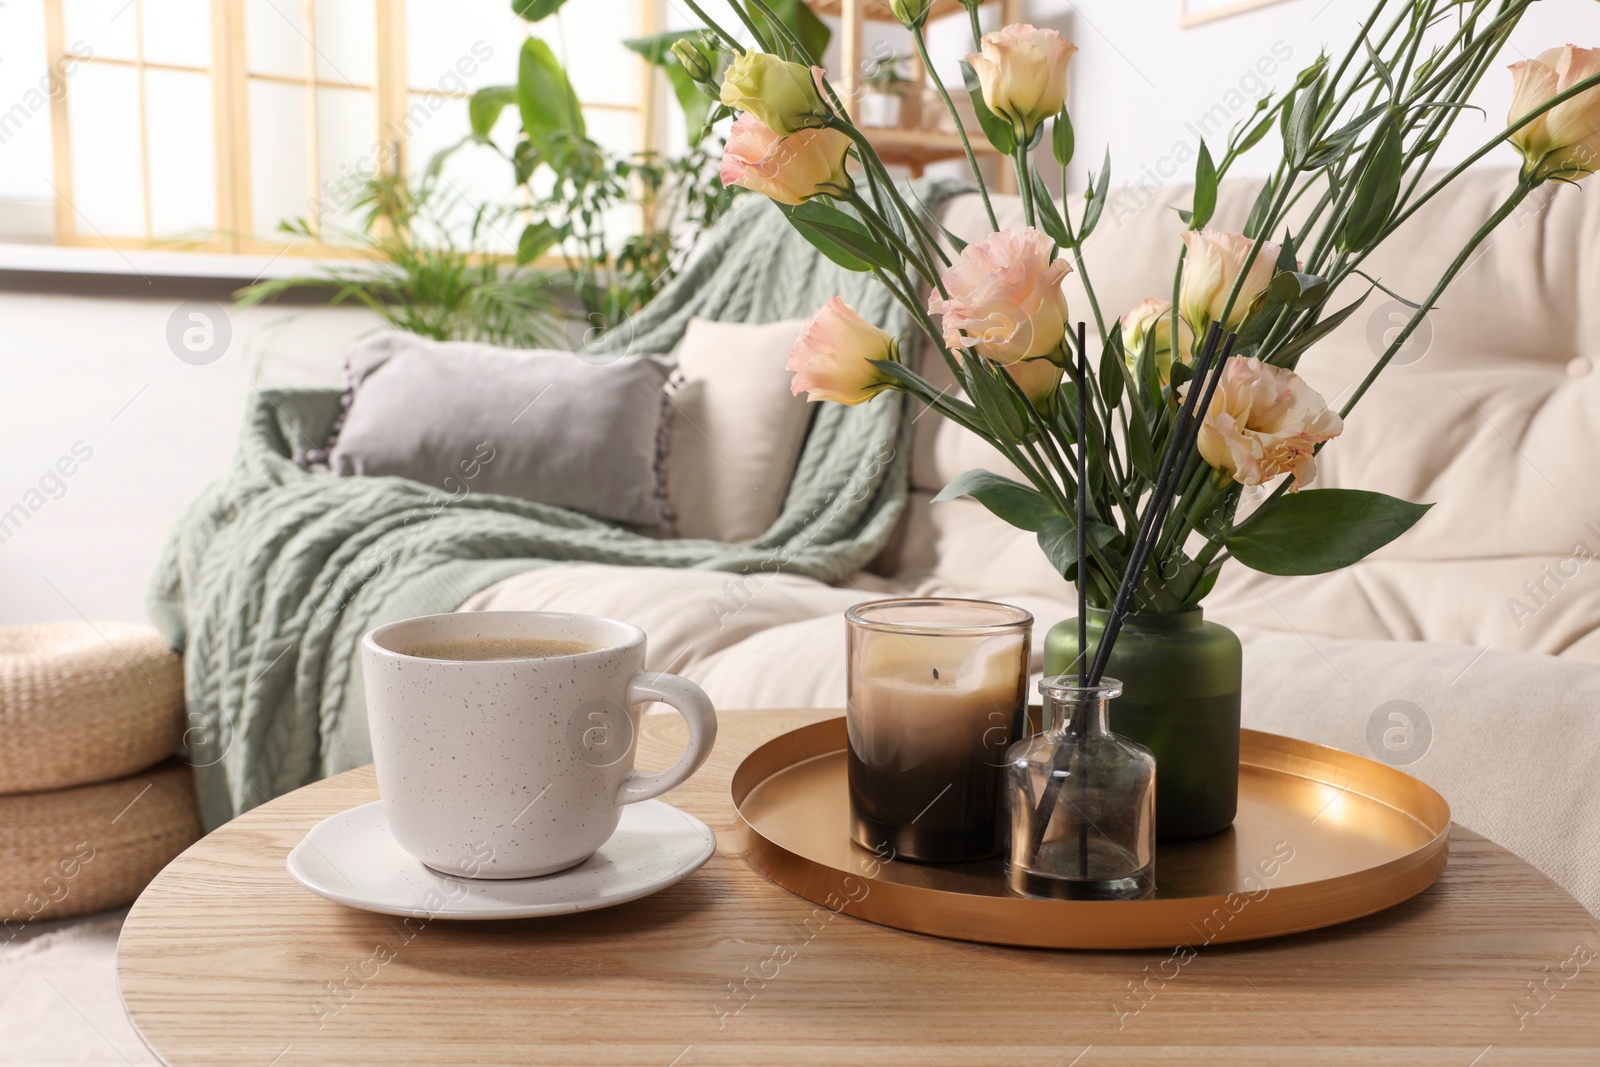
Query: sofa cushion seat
x=689, y=615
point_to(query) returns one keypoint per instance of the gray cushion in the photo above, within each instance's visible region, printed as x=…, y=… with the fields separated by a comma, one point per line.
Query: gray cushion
x=548, y=426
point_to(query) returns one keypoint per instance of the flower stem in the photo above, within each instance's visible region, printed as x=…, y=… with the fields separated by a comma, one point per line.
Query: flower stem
x=886, y=232
x=1501, y=214
x=730, y=39
x=961, y=129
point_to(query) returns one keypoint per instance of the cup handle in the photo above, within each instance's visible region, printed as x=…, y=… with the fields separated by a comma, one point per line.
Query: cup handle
x=690, y=701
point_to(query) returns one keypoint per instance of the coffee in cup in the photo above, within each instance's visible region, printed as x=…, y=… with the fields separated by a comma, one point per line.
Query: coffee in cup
x=504, y=741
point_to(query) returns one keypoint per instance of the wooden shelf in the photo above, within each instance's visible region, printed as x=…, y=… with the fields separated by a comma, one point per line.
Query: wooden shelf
x=878, y=10
x=917, y=148
x=911, y=148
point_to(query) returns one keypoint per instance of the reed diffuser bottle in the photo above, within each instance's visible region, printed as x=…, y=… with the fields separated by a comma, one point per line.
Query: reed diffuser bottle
x=1082, y=801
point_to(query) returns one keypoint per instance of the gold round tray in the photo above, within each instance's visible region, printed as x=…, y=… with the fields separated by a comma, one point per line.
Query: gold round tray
x=1322, y=837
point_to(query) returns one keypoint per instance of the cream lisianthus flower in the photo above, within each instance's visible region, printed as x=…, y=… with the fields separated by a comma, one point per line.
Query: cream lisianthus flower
x=1213, y=263
x=1005, y=299
x=1265, y=421
x=783, y=95
x=1564, y=142
x=1154, y=318
x=832, y=360
x=1023, y=74
x=790, y=170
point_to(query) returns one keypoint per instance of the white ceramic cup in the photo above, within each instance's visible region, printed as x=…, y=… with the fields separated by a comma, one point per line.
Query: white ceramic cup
x=512, y=768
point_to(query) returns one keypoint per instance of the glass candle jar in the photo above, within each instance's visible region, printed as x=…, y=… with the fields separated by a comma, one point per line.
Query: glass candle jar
x=937, y=693
x=1082, y=802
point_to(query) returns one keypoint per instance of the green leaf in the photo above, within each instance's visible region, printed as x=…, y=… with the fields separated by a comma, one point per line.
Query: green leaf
x=820, y=218
x=1320, y=530
x=1001, y=408
x=1112, y=368
x=1061, y=139
x=484, y=109
x=1290, y=353
x=1381, y=67
x=820, y=240
x=1377, y=191
x=1259, y=211
x=1287, y=253
x=929, y=216
x=1253, y=138
x=813, y=33
x=1304, y=124
x=1335, y=144
x=922, y=389
x=1407, y=301
x=544, y=95
x=534, y=10
x=1296, y=291
x=995, y=128
x=525, y=159
x=1059, y=539
x=1286, y=118
x=1097, y=200
x=1147, y=373
x=1141, y=450
x=1012, y=502
x=1049, y=218
x=1205, y=189
x=538, y=238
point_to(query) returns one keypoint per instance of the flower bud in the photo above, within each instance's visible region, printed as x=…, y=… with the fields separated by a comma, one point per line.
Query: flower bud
x=693, y=59
x=911, y=13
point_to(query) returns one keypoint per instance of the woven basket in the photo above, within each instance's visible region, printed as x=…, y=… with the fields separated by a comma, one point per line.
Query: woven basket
x=75, y=851
x=85, y=703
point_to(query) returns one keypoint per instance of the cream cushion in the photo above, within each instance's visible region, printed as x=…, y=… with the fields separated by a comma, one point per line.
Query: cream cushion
x=736, y=429
x=1497, y=423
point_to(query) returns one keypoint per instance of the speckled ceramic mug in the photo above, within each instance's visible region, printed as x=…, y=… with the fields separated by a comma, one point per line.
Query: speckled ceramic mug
x=512, y=768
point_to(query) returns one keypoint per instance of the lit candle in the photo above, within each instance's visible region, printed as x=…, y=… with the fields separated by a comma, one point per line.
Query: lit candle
x=937, y=693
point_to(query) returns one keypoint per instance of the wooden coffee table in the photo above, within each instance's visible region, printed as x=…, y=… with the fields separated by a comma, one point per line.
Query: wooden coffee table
x=226, y=961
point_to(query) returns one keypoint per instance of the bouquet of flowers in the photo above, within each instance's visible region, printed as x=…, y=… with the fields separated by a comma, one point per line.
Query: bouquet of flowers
x=1099, y=421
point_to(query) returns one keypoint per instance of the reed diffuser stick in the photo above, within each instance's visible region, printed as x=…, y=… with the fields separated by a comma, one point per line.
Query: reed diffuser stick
x=1083, y=506
x=1180, y=449
x=1080, y=712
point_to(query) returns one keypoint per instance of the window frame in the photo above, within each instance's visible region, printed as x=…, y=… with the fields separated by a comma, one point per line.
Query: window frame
x=230, y=85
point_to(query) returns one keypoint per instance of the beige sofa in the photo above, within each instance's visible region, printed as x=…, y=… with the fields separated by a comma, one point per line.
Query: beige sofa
x=1483, y=622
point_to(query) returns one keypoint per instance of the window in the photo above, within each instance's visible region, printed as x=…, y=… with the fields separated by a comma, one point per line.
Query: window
x=204, y=123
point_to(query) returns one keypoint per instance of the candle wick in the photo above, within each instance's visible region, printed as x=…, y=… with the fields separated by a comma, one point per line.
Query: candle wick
x=936, y=674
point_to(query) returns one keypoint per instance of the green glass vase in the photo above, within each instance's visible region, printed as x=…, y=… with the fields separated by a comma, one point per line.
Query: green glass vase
x=1181, y=678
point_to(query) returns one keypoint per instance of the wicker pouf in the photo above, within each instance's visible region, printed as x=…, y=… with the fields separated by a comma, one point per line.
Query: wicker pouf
x=75, y=851
x=85, y=703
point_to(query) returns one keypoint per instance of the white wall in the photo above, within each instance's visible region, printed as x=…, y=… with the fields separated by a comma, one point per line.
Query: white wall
x=97, y=374
x=1150, y=90
x=1144, y=86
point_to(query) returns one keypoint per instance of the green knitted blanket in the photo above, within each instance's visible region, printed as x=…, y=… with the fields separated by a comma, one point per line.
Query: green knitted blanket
x=273, y=575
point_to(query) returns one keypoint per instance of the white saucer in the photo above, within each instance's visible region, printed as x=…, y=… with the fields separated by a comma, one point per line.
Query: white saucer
x=352, y=858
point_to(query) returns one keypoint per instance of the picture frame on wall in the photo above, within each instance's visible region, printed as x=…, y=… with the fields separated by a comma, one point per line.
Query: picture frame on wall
x=1196, y=12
